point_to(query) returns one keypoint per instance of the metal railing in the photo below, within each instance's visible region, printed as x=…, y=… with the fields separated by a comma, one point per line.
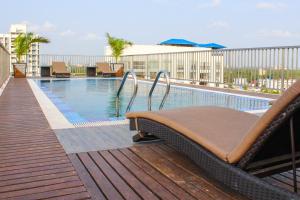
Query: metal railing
x=4, y=64
x=153, y=87
x=120, y=89
x=273, y=68
x=268, y=69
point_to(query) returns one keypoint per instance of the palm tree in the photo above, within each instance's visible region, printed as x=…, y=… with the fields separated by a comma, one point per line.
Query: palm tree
x=23, y=43
x=117, y=45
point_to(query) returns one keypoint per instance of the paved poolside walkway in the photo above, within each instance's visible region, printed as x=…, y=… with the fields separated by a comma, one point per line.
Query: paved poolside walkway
x=75, y=140
x=33, y=164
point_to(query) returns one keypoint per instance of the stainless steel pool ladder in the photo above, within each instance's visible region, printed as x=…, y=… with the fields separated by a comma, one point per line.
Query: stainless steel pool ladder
x=120, y=89
x=153, y=87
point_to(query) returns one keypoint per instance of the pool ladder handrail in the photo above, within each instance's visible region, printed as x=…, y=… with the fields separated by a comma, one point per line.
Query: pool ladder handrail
x=153, y=87
x=120, y=89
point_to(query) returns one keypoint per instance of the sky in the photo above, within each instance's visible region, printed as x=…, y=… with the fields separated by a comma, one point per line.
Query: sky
x=79, y=26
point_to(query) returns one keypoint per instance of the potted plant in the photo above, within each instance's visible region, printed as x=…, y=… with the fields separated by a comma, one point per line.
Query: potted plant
x=117, y=46
x=22, y=45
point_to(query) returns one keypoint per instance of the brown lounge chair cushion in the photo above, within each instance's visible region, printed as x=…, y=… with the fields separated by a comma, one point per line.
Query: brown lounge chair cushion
x=59, y=68
x=217, y=129
x=227, y=133
x=104, y=68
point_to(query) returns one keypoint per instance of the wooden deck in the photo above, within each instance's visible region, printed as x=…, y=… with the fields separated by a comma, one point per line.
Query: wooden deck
x=153, y=171
x=284, y=180
x=33, y=165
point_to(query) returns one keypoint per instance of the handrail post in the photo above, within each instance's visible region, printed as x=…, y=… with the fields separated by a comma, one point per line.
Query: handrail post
x=153, y=87
x=120, y=89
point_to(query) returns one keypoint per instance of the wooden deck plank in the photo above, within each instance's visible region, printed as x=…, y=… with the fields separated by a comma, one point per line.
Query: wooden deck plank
x=33, y=164
x=114, y=177
x=278, y=183
x=289, y=175
x=152, y=184
x=76, y=196
x=144, y=171
x=285, y=180
x=86, y=178
x=47, y=161
x=35, y=168
x=42, y=189
x=29, y=150
x=186, y=164
x=134, y=182
x=36, y=176
x=102, y=181
x=159, y=177
x=32, y=172
x=31, y=156
x=43, y=182
x=193, y=184
x=37, y=159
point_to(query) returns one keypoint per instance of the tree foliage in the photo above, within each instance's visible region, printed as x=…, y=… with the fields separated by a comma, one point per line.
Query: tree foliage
x=117, y=45
x=23, y=43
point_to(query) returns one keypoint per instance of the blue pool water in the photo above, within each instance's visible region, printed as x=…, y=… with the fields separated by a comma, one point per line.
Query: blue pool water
x=91, y=100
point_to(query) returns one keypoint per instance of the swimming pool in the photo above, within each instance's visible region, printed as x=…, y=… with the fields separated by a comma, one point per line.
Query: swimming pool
x=93, y=99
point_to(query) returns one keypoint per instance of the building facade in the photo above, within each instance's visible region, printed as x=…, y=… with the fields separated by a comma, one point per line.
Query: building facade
x=32, y=58
x=184, y=63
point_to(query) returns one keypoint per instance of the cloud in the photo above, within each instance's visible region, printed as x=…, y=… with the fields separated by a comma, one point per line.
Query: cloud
x=276, y=34
x=92, y=36
x=271, y=5
x=209, y=4
x=194, y=3
x=161, y=1
x=219, y=24
x=67, y=33
x=40, y=28
x=47, y=26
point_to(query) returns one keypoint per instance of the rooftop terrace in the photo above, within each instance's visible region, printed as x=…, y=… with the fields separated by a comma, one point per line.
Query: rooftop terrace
x=38, y=161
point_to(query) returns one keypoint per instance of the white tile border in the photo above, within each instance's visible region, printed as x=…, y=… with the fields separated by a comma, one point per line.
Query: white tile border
x=102, y=123
x=4, y=85
x=55, y=118
x=257, y=111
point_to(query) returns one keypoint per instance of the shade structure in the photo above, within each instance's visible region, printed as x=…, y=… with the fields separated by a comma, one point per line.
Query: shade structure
x=212, y=45
x=179, y=42
x=187, y=43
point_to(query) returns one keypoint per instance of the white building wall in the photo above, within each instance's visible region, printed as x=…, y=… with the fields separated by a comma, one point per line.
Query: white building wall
x=153, y=49
x=188, y=63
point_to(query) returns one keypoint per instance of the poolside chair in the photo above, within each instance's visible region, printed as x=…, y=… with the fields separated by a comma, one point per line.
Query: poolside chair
x=235, y=148
x=59, y=70
x=104, y=69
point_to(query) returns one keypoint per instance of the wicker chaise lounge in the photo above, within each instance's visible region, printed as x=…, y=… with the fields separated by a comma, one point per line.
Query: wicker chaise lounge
x=233, y=147
x=104, y=69
x=59, y=70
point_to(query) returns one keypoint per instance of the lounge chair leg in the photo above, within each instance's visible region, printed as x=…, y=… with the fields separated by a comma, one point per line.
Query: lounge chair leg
x=143, y=137
x=293, y=153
